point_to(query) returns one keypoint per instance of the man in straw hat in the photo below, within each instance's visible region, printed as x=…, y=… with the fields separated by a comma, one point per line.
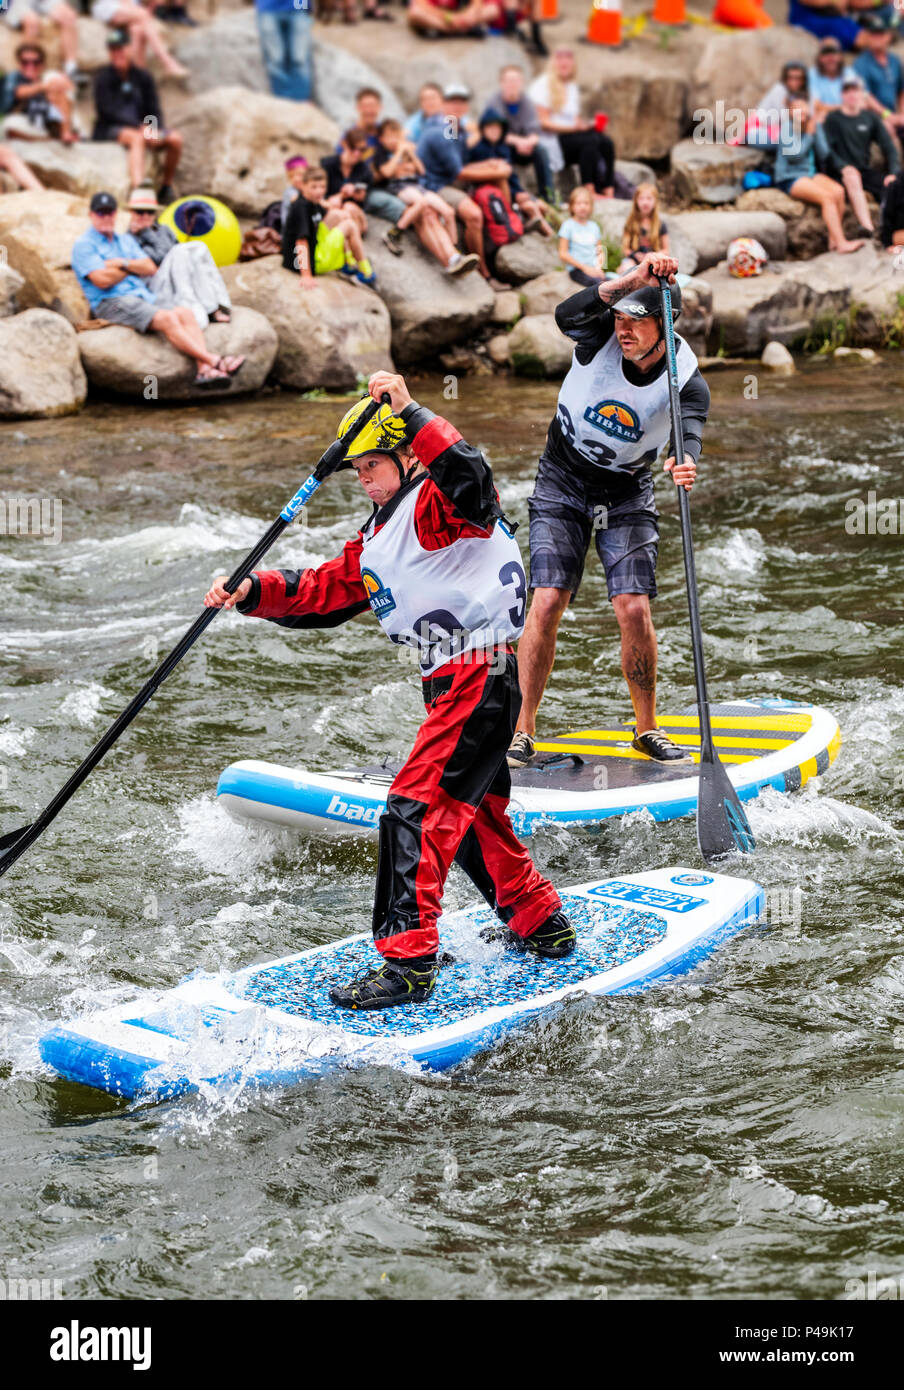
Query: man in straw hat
x=186, y=271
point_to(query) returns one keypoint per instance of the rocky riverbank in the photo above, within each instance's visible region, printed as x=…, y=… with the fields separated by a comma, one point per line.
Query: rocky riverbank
x=237, y=136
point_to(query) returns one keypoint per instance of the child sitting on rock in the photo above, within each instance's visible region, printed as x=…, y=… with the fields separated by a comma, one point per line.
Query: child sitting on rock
x=318, y=239
x=399, y=171
x=492, y=145
x=581, y=245
x=644, y=230
x=349, y=176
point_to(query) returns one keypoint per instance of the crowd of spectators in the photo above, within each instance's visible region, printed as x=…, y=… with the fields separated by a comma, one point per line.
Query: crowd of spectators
x=835, y=128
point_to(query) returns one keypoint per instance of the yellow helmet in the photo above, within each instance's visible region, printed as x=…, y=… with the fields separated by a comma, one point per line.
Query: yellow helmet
x=383, y=434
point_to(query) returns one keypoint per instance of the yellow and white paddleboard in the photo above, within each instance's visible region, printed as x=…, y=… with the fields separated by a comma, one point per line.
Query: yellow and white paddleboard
x=578, y=777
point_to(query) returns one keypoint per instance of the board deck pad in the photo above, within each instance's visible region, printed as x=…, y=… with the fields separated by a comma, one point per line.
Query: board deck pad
x=579, y=777
x=274, y=1023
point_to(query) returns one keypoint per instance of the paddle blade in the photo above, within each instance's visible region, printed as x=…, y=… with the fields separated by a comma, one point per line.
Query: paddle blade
x=722, y=825
x=7, y=841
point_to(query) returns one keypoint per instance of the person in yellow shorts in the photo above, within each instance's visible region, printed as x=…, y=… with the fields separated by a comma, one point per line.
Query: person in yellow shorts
x=318, y=239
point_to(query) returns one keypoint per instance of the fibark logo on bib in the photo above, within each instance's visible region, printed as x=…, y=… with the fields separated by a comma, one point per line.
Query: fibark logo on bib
x=381, y=600
x=615, y=418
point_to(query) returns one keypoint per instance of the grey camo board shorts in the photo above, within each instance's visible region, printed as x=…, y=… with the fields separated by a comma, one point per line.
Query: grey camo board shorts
x=564, y=517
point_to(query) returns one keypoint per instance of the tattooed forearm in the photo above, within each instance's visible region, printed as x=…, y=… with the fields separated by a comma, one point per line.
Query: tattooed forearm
x=611, y=291
x=640, y=670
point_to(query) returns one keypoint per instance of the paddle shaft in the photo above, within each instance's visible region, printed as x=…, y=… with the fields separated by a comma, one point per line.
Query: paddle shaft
x=707, y=750
x=19, y=841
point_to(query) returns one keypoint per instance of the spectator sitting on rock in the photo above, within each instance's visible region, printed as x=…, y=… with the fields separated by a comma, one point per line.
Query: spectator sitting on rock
x=523, y=136
x=38, y=104
x=143, y=31
x=128, y=111
x=27, y=15
x=645, y=230
x=827, y=19
x=294, y=167
x=378, y=201
x=824, y=78
x=493, y=145
x=567, y=137
x=349, y=176
x=437, y=19
x=430, y=104
x=795, y=174
x=850, y=134
x=186, y=271
x=881, y=74
x=891, y=230
x=114, y=272
x=581, y=245
x=318, y=239
x=11, y=164
x=443, y=151
x=792, y=83
x=396, y=162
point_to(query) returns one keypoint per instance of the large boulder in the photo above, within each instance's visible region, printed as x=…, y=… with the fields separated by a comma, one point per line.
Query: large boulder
x=429, y=309
x=541, y=296
x=147, y=367
x=536, y=347
x=329, y=335
x=737, y=69
x=712, y=173
x=710, y=232
x=81, y=169
x=408, y=61
x=40, y=370
x=647, y=101
x=38, y=231
x=92, y=44
x=236, y=143
x=11, y=286
x=793, y=306
x=696, y=321
x=635, y=171
x=528, y=257
x=227, y=53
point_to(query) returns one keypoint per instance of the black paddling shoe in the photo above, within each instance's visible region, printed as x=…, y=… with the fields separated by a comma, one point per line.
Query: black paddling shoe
x=394, y=982
x=553, y=938
x=659, y=747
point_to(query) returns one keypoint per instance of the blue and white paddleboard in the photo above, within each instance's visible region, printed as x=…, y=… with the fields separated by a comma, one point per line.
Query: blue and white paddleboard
x=579, y=778
x=275, y=1024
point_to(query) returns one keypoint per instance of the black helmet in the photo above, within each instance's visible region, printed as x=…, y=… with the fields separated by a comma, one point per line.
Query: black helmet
x=646, y=302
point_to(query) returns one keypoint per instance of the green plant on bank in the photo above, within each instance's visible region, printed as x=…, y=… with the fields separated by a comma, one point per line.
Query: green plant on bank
x=856, y=328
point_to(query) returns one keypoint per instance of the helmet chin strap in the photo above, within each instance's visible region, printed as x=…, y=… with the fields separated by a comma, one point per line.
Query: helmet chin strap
x=660, y=339
x=403, y=476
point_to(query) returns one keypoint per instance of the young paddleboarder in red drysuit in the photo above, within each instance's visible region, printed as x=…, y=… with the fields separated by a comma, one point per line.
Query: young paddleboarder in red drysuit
x=442, y=572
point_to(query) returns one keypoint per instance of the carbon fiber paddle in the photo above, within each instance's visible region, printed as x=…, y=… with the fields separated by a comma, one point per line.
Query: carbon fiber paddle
x=18, y=841
x=722, y=826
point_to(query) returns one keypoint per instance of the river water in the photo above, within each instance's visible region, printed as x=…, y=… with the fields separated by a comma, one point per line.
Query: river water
x=737, y=1132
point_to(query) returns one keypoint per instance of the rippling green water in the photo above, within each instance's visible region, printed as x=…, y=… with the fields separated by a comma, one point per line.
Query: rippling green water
x=735, y=1133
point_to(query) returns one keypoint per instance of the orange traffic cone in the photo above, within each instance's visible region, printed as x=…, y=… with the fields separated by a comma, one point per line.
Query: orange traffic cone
x=605, y=22
x=670, y=12
x=549, y=10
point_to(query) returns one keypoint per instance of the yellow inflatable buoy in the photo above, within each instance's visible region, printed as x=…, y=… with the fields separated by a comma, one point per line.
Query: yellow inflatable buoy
x=200, y=218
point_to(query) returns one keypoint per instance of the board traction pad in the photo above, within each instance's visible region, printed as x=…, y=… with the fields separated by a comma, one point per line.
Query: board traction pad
x=483, y=978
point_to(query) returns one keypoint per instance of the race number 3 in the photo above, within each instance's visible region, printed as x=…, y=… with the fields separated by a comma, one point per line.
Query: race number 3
x=512, y=573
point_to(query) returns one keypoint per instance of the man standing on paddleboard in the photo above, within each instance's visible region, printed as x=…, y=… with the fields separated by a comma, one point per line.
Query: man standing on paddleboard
x=443, y=574
x=595, y=480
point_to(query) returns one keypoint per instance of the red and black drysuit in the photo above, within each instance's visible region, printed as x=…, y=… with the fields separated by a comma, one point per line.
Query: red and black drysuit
x=450, y=799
